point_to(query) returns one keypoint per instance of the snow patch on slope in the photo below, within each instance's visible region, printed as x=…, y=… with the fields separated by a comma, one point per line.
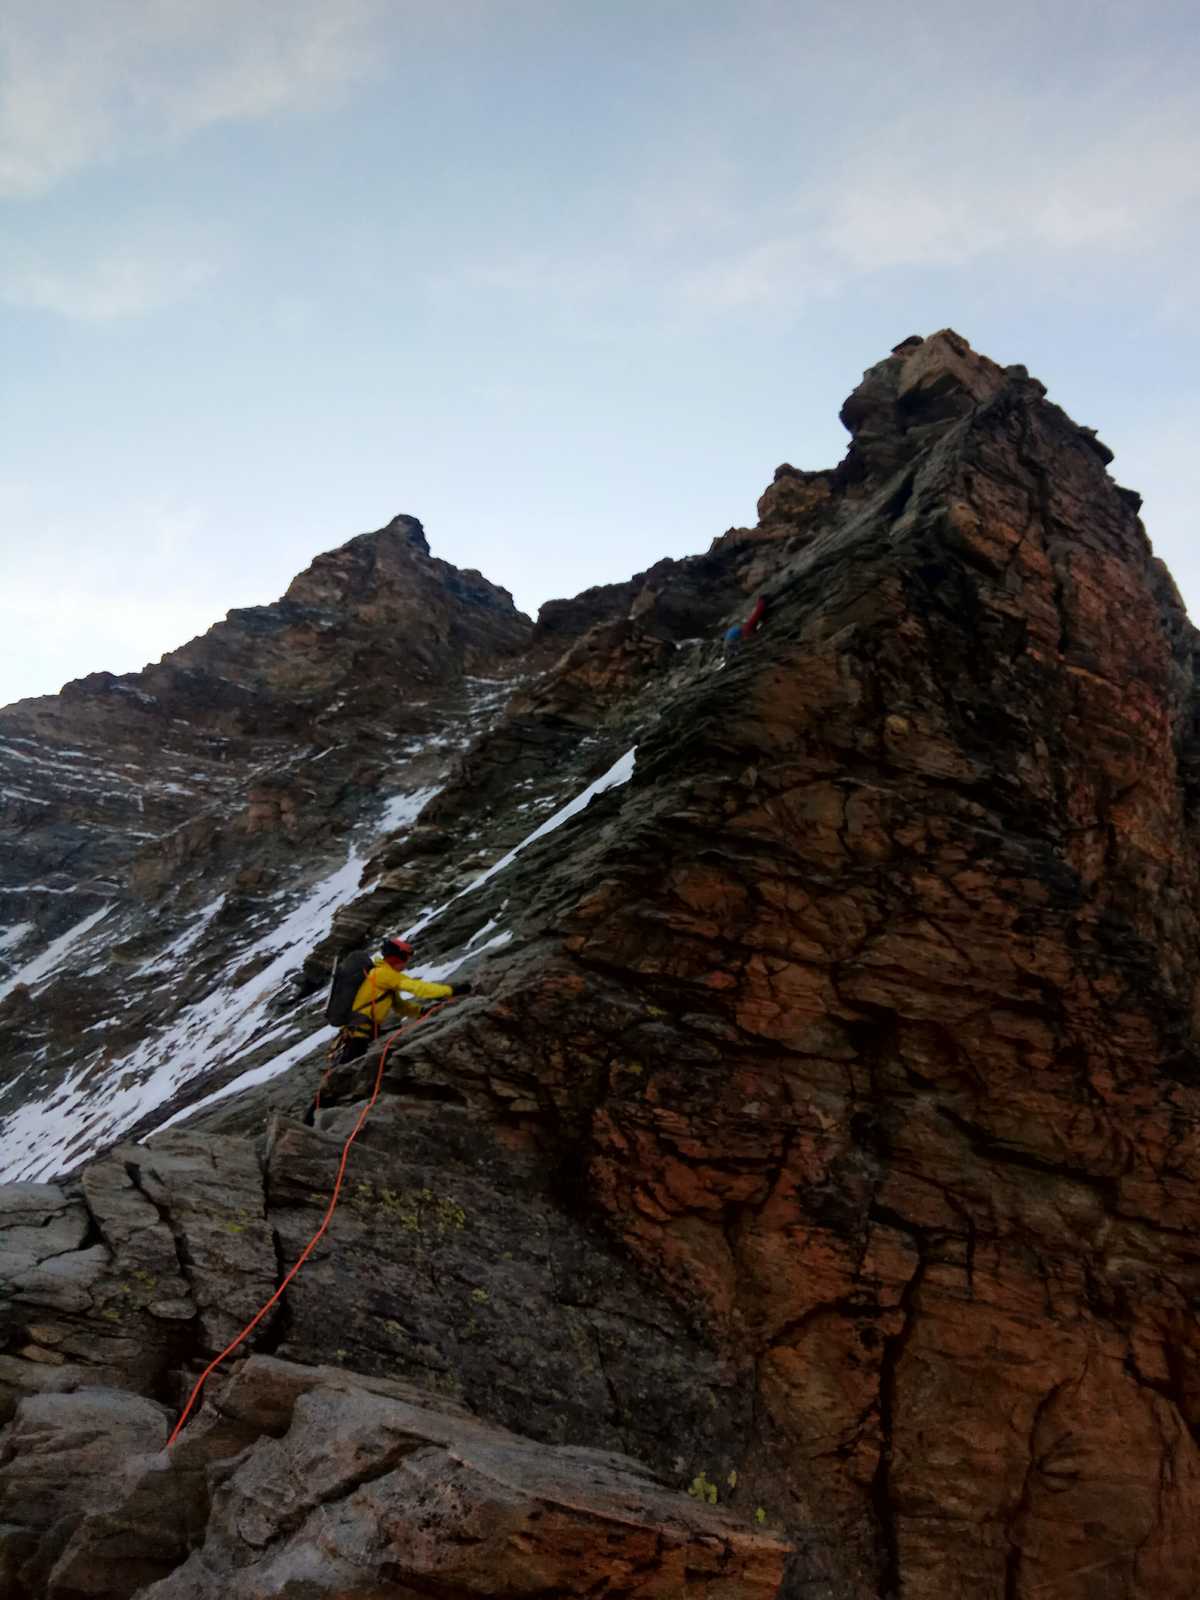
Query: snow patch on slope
x=620, y=772
x=99, y=1101
x=265, y=1071
x=444, y=970
x=15, y=934
x=42, y=966
x=304, y=1048
x=94, y=1105
x=90, y=1109
x=402, y=808
x=186, y=940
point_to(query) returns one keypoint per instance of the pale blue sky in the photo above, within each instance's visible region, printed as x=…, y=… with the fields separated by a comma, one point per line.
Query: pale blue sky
x=565, y=280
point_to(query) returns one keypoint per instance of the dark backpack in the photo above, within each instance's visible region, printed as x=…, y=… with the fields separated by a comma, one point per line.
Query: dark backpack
x=348, y=975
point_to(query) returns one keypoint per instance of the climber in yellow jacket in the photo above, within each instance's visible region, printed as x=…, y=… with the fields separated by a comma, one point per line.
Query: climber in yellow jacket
x=385, y=989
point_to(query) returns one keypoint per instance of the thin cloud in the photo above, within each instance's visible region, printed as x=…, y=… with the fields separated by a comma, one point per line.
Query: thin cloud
x=545, y=275
x=116, y=606
x=1049, y=187
x=945, y=187
x=780, y=269
x=1015, y=176
x=80, y=83
x=148, y=267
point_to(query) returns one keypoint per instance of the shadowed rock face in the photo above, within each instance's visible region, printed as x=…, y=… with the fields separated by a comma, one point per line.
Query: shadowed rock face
x=828, y=1130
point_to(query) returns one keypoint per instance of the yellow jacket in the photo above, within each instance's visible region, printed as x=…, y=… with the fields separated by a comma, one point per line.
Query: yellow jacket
x=381, y=989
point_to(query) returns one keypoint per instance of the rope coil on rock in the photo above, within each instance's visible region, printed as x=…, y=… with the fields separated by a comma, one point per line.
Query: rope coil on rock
x=312, y=1243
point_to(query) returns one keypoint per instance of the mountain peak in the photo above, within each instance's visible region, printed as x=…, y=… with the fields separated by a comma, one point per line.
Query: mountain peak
x=924, y=386
x=408, y=528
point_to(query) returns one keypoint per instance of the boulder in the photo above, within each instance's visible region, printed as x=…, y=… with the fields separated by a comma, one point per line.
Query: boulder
x=366, y=1495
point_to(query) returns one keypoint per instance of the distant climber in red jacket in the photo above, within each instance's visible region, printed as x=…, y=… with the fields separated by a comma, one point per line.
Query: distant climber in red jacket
x=742, y=630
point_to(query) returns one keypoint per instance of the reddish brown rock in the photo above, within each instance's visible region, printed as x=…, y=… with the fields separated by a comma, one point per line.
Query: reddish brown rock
x=918, y=1138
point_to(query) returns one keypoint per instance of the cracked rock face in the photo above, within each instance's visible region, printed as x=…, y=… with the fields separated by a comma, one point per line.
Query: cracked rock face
x=366, y=1495
x=308, y=1481
x=824, y=1134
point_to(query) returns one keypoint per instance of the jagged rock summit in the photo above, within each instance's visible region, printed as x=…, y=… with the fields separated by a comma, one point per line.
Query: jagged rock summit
x=822, y=1129
x=377, y=608
x=94, y=776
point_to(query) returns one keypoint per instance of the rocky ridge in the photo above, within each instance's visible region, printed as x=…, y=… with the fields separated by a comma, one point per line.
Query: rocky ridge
x=824, y=1131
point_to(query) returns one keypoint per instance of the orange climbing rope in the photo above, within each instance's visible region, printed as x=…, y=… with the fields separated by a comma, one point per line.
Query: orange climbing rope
x=312, y=1243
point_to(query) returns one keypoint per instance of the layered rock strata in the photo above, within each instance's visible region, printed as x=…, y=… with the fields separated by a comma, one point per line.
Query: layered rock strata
x=91, y=778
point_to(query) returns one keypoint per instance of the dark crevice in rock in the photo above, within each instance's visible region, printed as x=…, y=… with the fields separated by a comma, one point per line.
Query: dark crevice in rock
x=988, y=1145
x=409, y=1088
x=882, y=1497
x=894, y=507
x=1012, y=1568
x=858, y=1305
x=272, y=1333
x=1174, y=1389
x=134, y=1173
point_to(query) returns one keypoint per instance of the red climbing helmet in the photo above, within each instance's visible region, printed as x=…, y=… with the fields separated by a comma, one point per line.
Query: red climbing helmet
x=397, y=947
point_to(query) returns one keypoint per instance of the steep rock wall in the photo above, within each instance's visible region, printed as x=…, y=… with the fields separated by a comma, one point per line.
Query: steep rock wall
x=867, y=1025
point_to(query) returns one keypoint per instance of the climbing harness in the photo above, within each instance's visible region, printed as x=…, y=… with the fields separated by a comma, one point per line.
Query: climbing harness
x=312, y=1243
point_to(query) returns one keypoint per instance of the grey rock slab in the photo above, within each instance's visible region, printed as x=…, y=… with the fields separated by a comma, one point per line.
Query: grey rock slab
x=145, y=1257
x=31, y=1203
x=60, y=1450
x=120, y=1208
x=209, y=1189
x=62, y=1282
x=20, y=1377
x=365, y=1496
x=137, y=1532
x=258, y=1397
x=37, y=1220
x=262, y=1392
x=444, y=1266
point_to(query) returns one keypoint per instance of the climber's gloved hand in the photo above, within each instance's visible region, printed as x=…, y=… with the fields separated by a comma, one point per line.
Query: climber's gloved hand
x=461, y=989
